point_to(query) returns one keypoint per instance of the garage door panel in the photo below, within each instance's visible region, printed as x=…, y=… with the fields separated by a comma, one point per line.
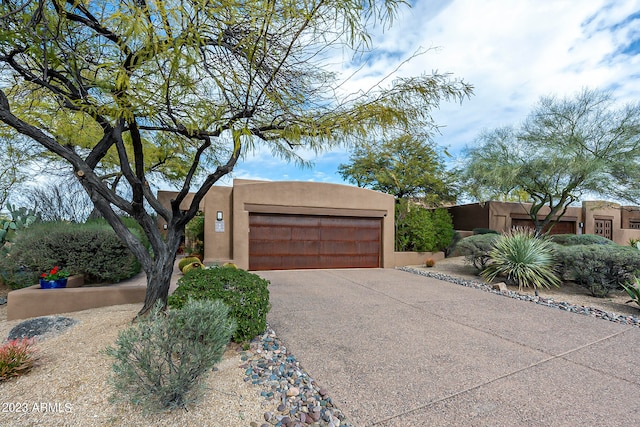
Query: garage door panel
x=344, y=233
x=298, y=242
x=270, y=233
x=562, y=227
x=305, y=233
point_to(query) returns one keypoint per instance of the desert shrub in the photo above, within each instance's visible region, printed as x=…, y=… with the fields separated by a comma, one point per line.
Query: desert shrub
x=160, y=361
x=450, y=250
x=524, y=259
x=422, y=230
x=16, y=276
x=598, y=268
x=91, y=249
x=130, y=223
x=484, y=231
x=476, y=249
x=580, y=239
x=245, y=293
x=17, y=357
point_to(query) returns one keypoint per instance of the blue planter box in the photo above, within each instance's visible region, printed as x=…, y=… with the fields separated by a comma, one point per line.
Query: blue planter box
x=53, y=284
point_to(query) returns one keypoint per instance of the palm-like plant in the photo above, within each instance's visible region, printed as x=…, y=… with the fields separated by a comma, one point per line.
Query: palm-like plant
x=524, y=258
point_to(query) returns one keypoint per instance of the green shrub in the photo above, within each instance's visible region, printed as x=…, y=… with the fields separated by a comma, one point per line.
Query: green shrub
x=484, y=231
x=476, y=249
x=17, y=357
x=245, y=293
x=15, y=276
x=130, y=223
x=90, y=249
x=161, y=359
x=422, y=230
x=194, y=232
x=598, y=268
x=524, y=259
x=580, y=239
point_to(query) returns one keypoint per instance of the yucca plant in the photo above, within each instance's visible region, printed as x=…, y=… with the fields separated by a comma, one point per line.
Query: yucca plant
x=524, y=258
x=633, y=290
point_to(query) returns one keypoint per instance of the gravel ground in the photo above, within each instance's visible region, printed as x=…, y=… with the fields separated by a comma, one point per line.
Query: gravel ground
x=70, y=388
x=258, y=387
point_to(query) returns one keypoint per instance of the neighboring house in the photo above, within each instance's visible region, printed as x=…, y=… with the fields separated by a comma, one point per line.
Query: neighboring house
x=607, y=219
x=262, y=225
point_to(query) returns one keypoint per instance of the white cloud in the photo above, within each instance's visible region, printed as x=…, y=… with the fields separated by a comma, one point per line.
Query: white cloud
x=513, y=52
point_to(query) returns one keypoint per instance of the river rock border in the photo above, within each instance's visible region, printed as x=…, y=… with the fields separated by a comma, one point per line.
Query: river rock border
x=547, y=302
x=300, y=401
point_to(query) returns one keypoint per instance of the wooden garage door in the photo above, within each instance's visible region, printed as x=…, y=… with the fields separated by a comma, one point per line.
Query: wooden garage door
x=562, y=227
x=287, y=242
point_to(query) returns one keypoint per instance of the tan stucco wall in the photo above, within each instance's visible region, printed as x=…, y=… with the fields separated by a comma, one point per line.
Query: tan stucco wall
x=617, y=214
x=165, y=197
x=498, y=215
x=601, y=210
x=218, y=244
x=415, y=258
x=629, y=213
x=307, y=198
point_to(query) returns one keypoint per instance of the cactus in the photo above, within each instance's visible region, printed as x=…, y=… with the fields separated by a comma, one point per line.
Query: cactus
x=186, y=261
x=194, y=265
x=19, y=218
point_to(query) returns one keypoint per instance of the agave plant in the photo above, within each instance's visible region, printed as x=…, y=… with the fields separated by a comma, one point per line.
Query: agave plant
x=633, y=289
x=524, y=258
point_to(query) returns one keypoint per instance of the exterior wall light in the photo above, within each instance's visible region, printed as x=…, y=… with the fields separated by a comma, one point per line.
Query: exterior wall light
x=219, y=216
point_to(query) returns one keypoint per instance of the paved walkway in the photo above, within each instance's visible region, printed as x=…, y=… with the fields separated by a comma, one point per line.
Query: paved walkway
x=399, y=349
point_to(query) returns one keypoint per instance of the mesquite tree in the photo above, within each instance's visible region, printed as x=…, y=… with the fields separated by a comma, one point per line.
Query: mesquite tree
x=203, y=81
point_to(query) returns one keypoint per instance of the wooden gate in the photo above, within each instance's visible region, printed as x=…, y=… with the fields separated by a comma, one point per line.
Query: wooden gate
x=603, y=227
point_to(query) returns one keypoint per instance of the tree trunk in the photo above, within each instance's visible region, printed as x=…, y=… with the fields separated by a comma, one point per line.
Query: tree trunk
x=159, y=276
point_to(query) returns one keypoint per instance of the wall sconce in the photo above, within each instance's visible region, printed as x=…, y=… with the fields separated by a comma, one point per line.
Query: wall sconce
x=219, y=216
x=164, y=226
x=581, y=224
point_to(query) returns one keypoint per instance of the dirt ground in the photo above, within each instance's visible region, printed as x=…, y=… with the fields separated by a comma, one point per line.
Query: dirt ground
x=615, y=302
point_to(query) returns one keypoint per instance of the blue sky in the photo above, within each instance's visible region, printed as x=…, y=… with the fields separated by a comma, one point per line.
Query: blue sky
x=513, y=52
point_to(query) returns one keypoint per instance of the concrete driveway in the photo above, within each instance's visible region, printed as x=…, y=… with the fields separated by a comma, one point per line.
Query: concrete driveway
x=399, y=349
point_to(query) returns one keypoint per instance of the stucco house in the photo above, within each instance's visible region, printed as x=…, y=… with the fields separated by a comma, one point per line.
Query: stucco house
x=611, y=220
x=264, y=225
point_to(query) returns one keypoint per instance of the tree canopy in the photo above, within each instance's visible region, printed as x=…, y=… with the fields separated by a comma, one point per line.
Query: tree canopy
x=405, y=166
x=567, y=147
x=100, y=83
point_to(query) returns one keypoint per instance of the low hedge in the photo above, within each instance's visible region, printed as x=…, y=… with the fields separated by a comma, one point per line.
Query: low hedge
x=579, y=239
x=245, y=293
x=599, y=268
x=90, y=249
x=476, y=249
